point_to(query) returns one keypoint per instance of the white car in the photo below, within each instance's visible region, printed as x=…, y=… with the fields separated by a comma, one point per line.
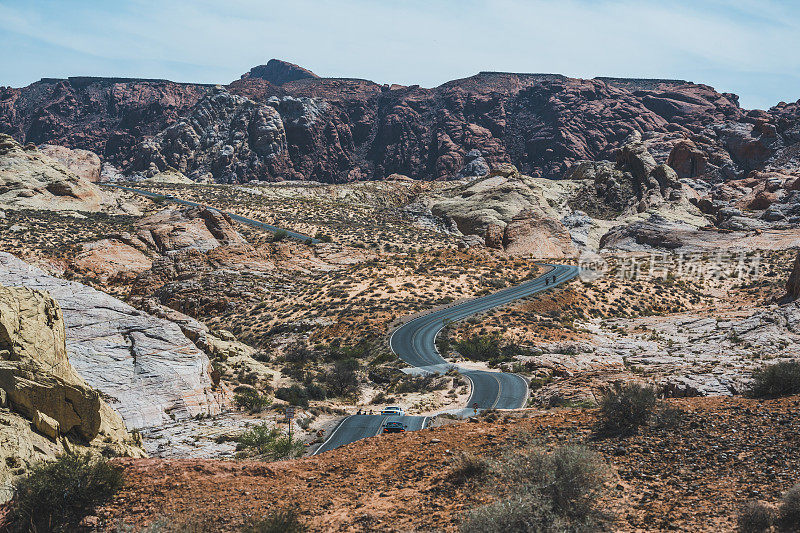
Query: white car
x=393, y=411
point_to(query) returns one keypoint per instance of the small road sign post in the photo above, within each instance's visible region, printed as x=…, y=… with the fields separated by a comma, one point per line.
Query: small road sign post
x=289, y=413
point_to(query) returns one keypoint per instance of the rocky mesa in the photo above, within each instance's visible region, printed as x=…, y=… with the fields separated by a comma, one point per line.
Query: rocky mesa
x=281, y=121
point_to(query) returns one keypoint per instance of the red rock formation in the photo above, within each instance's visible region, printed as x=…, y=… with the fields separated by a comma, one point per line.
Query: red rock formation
x=279, y=72
x=687, y=159
x=107, y=116
x=345, y=129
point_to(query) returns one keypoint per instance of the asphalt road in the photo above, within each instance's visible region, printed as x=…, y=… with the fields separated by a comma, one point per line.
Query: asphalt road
x=415, y=342
x=234, y=216
x=357, y=427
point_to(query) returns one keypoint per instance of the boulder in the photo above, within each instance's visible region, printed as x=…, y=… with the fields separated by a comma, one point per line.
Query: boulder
x=111, y=260
x=475, y=165
x=635, y=158
x=537, y=235
x=82, y=163
x=635, y=183
x=169, y=176
x=36, y=374
x=655, y=232
x=506, y=211
x=144, y=366
x=506, y=170
x=31, y=180
x=687, y=159
x=181, y=229
x=47, y=426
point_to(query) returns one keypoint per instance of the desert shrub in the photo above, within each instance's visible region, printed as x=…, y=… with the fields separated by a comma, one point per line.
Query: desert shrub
x=342, y=380
x=263, y=356
x=379, y=398
x=361, y=350
x=754, y=517
x=314, y=391
x=251, y=400
x=492, y=348
x=467, y=466
x=295, y=395
x=443, y=344
x=480, y=347
x=624, y=408
x=279, y=235
x=543, y=492
x=383, y=375
x=299, y=353
x=57, y=495
x=284, y=521
x=569, y=478
x=194, y=524
x=789, y=510
x=773, y=381
x=269, y=443
x=408, y=383
x=517, y=514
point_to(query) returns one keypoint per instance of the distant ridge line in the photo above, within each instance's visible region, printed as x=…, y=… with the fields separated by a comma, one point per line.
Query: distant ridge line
x=87, y=80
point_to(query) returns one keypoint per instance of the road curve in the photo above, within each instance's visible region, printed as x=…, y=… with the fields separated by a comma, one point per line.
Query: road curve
x=415, y=342
x=234, y=216
x=357, y=427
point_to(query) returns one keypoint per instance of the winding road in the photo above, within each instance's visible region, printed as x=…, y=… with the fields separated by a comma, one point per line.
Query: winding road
x=357, y=427
x=415, y=343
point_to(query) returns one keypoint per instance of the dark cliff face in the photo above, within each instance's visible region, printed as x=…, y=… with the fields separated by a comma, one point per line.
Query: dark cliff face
x=279, y=72
x=106, y=116
x=300, y=126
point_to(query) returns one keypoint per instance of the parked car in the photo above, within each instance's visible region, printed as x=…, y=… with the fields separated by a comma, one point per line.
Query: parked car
x=393, y=411
x=394, y=427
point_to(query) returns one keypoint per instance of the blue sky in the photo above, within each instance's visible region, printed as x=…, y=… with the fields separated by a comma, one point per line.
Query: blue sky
x=749, y=47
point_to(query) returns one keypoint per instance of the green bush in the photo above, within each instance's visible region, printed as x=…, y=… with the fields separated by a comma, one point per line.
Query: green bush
x=57, y=495
x=295, y=395
x=467, y=466
x=789, y=510
x=252, y=400
x=342, y=380
x=269, y=443
x=480, y=347
x=280, y=235
x=517, y=514
x=624, y=408
x=492, y=348
x=754, y=517
x=314, y=391
x=776, y=380
x=285, y=521
x=547, y=492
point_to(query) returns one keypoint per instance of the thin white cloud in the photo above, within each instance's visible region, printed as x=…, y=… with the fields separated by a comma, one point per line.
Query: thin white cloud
x=425, y=42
